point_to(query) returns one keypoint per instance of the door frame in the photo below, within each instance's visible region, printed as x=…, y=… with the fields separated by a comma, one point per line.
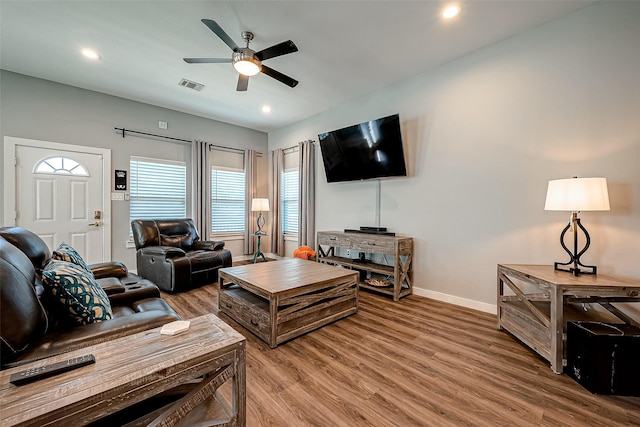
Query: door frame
x=10, y=144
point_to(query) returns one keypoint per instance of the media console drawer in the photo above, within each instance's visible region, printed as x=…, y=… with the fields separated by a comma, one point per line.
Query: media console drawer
x=331, y=239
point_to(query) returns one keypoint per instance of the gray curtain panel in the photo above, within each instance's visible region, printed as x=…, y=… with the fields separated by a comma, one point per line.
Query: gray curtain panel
x=277, y=236
x=250, y=159
x=199, y=160
x=307, y=199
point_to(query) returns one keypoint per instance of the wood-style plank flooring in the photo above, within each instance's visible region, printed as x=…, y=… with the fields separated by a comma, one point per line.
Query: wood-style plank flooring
x=416, y=362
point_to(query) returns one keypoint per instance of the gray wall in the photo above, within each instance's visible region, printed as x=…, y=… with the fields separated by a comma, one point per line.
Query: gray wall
x=484, y=134
x=43, y=110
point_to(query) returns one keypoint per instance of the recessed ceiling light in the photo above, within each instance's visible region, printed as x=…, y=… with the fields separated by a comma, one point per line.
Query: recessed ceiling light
x=90, y=54
x=451, y=11
x=266, y=109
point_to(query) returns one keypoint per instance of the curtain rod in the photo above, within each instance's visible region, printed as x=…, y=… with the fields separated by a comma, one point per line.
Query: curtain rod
x=186, y=141
x=123, y=130
x=239, y=150
x=297, y=147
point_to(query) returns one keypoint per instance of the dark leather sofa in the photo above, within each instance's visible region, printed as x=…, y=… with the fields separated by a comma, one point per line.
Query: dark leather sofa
x=171, y=254
x=32, y=325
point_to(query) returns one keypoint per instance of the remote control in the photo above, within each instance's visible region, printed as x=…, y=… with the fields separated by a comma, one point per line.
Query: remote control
x=46, y=371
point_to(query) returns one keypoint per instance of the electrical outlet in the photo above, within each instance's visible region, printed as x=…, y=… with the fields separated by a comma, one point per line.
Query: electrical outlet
x=348, y=253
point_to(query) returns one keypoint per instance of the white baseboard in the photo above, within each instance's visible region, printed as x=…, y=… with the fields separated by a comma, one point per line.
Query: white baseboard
x=464, y=302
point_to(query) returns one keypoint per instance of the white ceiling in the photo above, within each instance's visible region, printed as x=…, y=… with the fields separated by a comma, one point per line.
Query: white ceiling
x=346, y=48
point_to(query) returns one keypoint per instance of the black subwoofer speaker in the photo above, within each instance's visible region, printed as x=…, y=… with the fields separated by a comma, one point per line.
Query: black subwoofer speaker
x=604, y=357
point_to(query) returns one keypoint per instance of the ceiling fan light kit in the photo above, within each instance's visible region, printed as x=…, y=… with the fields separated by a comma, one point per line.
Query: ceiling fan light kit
x=246, y=61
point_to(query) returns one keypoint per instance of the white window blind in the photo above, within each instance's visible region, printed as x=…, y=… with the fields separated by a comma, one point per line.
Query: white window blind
x=289, y=197
x=158, y=189
x=227, y=201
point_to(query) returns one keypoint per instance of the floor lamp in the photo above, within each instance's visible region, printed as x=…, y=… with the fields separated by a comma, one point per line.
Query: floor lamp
x=575, y=195
x=260, y=205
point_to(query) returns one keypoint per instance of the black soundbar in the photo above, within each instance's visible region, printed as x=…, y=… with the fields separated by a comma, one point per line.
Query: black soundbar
x=363, y=228
x=380, y=233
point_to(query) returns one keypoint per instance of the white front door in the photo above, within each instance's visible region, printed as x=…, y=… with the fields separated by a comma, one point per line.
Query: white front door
x=59, y=195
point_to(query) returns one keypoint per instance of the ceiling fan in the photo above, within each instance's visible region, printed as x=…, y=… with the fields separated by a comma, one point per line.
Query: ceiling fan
x=247, y=61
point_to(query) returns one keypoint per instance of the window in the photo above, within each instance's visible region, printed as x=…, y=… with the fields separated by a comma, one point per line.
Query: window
x=289, y=197
x=61, y=166
x=227, y=201
x=158, y=189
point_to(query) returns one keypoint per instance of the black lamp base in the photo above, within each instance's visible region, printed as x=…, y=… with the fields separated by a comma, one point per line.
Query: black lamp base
x=575, y=270
x=261, y=221
x=574, y=263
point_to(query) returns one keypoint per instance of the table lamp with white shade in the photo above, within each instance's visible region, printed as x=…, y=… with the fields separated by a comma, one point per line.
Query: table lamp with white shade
x=575, y=195
x=260, y=205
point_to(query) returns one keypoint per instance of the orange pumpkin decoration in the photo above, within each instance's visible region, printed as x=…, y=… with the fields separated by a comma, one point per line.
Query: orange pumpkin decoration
x=304, y=252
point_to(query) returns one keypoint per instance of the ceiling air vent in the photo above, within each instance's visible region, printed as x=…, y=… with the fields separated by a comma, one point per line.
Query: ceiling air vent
x=191, y=85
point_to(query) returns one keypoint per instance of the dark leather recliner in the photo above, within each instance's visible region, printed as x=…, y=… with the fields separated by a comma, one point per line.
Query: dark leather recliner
x=171, y=254
x=32, y=326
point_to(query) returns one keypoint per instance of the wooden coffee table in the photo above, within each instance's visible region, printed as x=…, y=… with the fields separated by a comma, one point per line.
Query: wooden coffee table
x=132, y=369
x=280, y=300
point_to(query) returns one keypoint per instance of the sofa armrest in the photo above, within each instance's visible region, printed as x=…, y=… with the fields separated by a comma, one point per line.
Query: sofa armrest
x=109, y=269
x=63, y=341
x=111, y=286
x=209, y=245
x=133, y=292
x=165, y=251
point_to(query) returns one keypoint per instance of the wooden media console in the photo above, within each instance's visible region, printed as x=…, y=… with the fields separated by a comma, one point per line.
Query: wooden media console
x=396, y=272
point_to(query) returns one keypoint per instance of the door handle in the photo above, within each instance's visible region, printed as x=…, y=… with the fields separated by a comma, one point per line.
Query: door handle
x=95, y=224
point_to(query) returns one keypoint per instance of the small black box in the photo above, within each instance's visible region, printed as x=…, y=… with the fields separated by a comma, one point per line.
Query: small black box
x=603, y=357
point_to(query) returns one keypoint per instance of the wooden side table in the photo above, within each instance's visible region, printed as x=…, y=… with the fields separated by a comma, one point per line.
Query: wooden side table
x=542, y=300
x=131, y=369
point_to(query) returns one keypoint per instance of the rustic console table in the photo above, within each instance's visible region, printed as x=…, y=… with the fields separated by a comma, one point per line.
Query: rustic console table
x=133, y=369
x=397, y=273
x=542, y=300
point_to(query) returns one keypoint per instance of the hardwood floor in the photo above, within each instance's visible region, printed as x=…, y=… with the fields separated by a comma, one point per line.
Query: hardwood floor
x=416, y=362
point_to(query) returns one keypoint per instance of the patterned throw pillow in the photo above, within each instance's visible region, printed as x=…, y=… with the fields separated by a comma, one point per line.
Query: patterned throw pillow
x=78, y=291
x=67, y=253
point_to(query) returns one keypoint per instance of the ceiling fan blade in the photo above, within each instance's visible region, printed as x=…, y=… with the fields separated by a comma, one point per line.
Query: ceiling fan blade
x=277, y=50
x=279, y=76
x=243, y=83
x=213, y=26
x=207, y=60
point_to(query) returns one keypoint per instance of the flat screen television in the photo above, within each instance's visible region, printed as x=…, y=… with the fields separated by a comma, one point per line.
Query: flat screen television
x=367, y=150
